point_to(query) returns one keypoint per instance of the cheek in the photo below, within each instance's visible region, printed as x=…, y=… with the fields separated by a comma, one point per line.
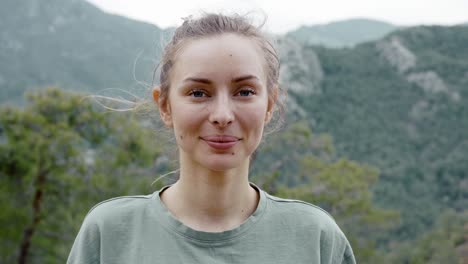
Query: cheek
x=253, y=118
x=185, y=124
x=183, y=127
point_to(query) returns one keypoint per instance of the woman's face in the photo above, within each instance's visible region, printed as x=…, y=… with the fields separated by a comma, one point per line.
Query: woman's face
x=218, y=101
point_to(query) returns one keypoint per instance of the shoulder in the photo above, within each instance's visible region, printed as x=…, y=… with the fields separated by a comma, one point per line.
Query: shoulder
x=108, y=221
x=117, y=208
x=312, y=222
x=300, y=210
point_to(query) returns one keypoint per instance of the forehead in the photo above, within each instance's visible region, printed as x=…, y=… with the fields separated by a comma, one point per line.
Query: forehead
x=219, y=57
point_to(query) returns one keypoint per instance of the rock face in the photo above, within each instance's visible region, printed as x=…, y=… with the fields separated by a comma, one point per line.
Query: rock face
x=401, y=58
x=431, y=82
x=300, y=73
x=397, y=54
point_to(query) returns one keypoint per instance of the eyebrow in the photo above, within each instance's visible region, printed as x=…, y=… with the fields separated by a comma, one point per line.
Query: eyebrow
x=234, y=80
x=244, y=77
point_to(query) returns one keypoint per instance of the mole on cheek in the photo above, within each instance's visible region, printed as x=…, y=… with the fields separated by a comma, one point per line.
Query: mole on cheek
x=181, y=137
x=233, y=153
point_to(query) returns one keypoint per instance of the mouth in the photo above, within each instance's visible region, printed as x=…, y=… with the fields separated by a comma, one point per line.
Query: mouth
x=221, y=142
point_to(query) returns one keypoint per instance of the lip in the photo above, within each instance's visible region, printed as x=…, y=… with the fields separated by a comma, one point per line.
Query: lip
x=221, y=142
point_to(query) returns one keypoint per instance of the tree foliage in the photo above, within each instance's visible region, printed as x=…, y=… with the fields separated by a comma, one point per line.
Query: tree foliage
x=58, y=157
x=447, y=242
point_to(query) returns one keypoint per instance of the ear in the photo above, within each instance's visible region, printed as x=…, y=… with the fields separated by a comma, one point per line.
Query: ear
x=272, y=98
x=156, y=91
x=163, y=105
x=268, y=117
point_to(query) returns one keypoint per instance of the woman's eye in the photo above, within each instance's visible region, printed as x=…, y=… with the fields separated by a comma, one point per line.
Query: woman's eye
x=246, y=92
x=197, y=93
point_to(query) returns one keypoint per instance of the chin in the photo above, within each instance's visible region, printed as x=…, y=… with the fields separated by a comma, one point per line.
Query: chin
x=223, y=163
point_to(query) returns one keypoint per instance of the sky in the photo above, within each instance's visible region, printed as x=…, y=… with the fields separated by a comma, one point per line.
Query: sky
x=287, y=15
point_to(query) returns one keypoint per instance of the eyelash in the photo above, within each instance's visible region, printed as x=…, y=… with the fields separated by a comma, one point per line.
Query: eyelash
x=249, y=90
x=194, y=91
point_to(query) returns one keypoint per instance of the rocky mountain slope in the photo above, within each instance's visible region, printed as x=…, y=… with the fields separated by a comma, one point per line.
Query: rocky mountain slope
x=401, y=104
x=71, y=44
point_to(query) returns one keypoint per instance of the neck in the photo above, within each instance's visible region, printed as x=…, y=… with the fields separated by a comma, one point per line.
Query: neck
x=211, y=201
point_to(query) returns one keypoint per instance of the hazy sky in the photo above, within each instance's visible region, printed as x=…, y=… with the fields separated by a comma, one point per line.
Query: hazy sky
x=284, y=15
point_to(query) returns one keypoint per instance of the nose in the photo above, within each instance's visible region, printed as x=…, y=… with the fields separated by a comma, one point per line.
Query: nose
x=221, y=112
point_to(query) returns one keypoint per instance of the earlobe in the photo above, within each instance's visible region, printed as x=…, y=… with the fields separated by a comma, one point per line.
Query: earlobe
x=166, y=118
x=165, y=113
x=156, y=92
x=163, y=105
x=268, y=117
x=271, y=103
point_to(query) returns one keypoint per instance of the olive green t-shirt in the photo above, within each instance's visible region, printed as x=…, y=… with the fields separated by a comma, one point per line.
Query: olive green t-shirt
x=140, y=229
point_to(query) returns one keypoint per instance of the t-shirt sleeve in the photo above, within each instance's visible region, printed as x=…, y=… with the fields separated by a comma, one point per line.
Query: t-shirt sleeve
x=86, y=248
x=348, y=257
x=335, y=247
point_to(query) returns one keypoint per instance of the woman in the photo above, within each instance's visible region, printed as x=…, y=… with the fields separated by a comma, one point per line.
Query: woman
x=218, y=90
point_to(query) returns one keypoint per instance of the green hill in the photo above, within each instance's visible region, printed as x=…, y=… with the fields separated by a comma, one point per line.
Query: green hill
x=71, y=44
x=401, y=104
x=344, y=33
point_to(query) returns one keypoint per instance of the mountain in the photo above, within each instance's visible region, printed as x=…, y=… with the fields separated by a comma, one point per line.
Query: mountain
x=400, y=104
x=71, y=44
x=344, y=33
